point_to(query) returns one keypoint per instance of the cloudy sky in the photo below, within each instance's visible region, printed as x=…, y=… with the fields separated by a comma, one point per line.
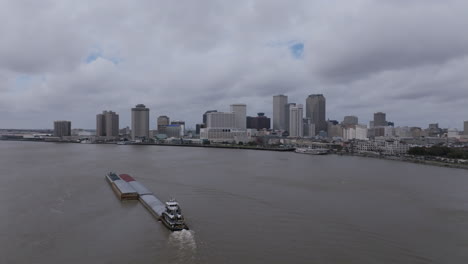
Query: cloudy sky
x=72, y=59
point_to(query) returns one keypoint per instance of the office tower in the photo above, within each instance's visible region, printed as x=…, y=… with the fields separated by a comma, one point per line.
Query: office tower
x=309, y=127
x=162, y=122
x=315, y=110
x=174, y=130
x=140, y=122
x=350, y=120
x=295, y=121
x=287, y=109
x=198, y=127
x=220, y=120
x=379, y=119
x=240, y=112
x=178, y=122
x=205, y=116
x=107, y=124
x=334, y=129
x=182, y=126
x=465, y=128
x=258, y=122
x=279, y=112
x=62, y=128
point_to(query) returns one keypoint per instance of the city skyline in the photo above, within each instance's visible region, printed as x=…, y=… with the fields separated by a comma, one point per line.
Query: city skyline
x=153, y=118
x=83, y=60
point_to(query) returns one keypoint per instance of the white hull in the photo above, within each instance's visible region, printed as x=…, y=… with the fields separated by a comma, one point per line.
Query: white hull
x=311, y=151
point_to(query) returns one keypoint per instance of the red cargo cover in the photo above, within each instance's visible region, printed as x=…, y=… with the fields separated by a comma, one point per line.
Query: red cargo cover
x=126, y=177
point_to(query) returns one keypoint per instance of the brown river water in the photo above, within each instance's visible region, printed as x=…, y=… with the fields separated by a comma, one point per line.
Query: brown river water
x=242, y=206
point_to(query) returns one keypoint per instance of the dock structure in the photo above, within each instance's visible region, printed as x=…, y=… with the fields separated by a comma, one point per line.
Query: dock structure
x=121, y=188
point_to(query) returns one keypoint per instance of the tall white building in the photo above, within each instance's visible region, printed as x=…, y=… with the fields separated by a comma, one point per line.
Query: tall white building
x=220, y=120
x=140, y=122
x=296, y=127
x=355, y=132
x=240, y=113
x=279, y=112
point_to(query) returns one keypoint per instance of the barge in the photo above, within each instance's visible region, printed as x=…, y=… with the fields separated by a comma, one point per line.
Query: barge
x=127, y=188
x=121, y=188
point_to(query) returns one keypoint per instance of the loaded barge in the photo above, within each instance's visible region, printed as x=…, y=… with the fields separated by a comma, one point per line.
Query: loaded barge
x=127, y=188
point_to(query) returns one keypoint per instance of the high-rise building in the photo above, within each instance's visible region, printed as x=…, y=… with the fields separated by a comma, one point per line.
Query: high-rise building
x=174, y=130
x=350, y=120
x=279, y=112
x=140, y=122
x=182, y=126
x=178, y=122
x=309, y=127
x=316, y=111
x=220, y=120
x=62, y=128
x=296, y=126
x=240, y=112
x=287, y=109
x=334, y=129
x=258, y=122
x=198, y=127
x=107, y=124
x=162, y=122
x=205, y=116
x=380, y=119
x=465, y=128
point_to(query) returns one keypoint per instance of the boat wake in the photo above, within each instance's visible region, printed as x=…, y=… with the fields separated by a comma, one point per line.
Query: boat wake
x=185, y=246
x=183, y=240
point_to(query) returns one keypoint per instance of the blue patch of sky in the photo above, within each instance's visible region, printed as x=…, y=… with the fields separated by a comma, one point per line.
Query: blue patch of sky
x=98, y=53
x=94, y=55
x=22, y=81
x=296, y=48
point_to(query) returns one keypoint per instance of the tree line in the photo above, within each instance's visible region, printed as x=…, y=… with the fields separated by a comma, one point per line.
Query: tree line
x=440, y=151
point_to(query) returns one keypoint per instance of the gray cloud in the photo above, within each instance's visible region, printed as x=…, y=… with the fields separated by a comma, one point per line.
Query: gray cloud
x=71, y=60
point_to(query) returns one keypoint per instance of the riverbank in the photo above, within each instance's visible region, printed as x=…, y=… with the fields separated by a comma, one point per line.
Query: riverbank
x=409, y=159
x=169, y=145
x=366, y=155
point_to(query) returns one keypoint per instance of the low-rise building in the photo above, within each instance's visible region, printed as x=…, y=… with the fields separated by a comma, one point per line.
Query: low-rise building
x=382, y=145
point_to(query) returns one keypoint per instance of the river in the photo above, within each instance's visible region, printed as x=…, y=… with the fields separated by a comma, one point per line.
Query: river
x=242, y=206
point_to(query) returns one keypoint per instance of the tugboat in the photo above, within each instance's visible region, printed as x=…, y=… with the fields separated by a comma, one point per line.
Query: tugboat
x=172, y=218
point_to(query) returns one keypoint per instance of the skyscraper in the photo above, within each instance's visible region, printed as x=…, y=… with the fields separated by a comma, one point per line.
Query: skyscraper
x=181, y=124
x=258, y=122
x=140, y=122
x=296, y=126
x=62, y=128
x=350, y=120
x=107, y=124
x=380, y=119
x=465, y=128
x=315, y=110
x=240, y=112
x=279, y=112
x=221, y=120
x=287, y=109
x=162, y=122
x=309, y=127
x=205, y=116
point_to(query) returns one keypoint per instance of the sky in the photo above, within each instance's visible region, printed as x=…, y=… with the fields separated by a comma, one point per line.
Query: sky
x=70, y=60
